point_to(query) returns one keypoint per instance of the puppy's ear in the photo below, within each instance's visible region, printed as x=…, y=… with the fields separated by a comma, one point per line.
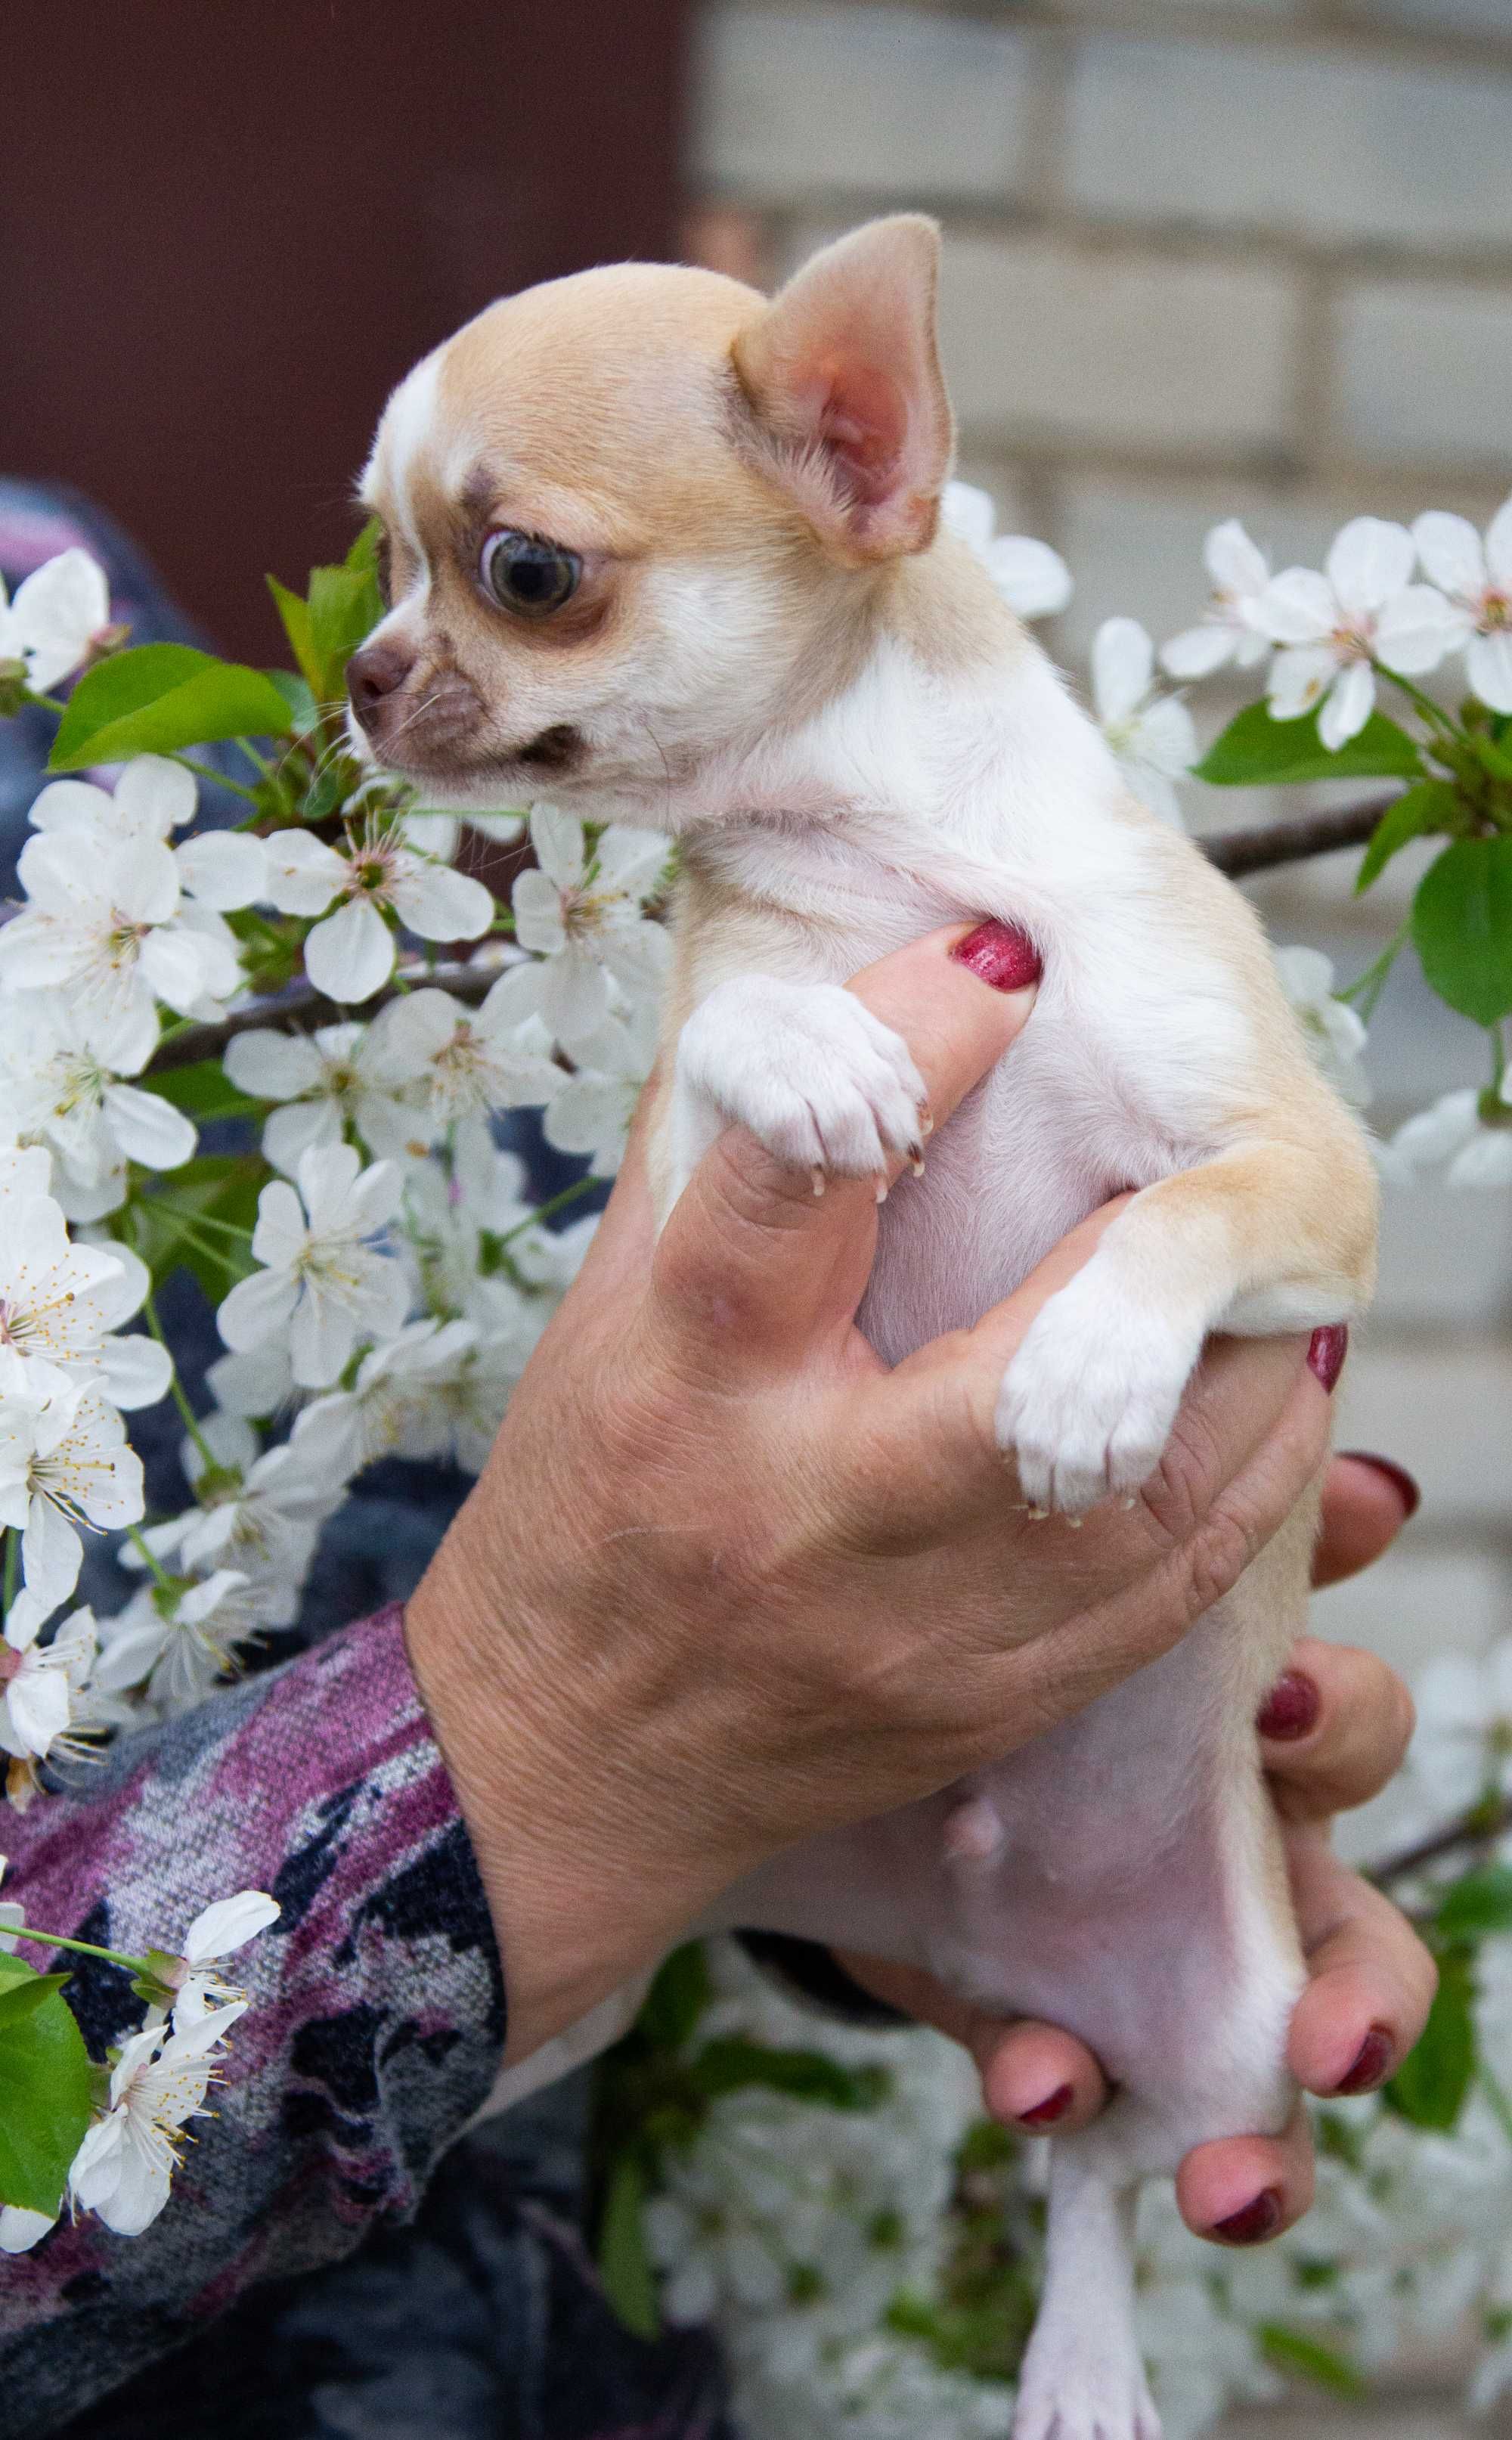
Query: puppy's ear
x=846, y=404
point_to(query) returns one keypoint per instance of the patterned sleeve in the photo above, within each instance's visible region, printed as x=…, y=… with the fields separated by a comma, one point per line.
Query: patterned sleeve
x=377, y=2016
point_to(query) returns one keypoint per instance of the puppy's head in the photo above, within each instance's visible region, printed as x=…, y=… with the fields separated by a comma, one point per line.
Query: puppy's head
x=635, y=518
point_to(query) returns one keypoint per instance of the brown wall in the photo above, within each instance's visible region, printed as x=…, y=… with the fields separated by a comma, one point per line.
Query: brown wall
x=226, y=227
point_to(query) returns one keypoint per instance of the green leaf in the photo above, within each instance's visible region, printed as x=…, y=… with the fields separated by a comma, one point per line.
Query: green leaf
x=1477, y=1904
x=362, y=555
x=158, y=699
x=24, y=1996
x=1429, y=2086
x=216, y=1187
x=1432, y=805
x=345, y=607
x=1492, y=756
x=1257, y=751
x=46, y=2090
x=204, y=1090
x=1293, y=2351
x=294, y=612
x=624, y=2264
x=732, y=2064
x=677, y=1997
x=304, y=711
x=1462, y=922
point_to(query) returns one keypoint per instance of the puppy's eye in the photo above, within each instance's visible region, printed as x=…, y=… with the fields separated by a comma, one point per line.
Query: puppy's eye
x=526, y=575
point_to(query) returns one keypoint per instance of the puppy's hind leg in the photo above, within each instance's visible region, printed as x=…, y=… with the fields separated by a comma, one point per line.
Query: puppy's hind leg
x=1082, y=2377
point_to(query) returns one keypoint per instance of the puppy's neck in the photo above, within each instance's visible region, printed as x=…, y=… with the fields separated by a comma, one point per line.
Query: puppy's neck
x=949, y=746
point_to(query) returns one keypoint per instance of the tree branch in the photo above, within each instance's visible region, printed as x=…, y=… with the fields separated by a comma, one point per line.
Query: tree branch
x=1269, y=844
x=469, y=979
x=1472, y=1830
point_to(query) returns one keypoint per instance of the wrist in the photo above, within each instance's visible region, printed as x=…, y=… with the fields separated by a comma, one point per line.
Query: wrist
x=569, y=1784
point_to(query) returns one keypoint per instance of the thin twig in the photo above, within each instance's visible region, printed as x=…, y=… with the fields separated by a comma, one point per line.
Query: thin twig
x=1476, y=1829
x=469, y=979
x=1269, y=844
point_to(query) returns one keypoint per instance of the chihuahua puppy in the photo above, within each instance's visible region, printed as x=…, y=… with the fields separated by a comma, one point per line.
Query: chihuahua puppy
x=674, y=552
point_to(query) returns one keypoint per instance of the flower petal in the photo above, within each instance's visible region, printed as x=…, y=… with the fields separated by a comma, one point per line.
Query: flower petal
x=1033, y=579
x=1417, y=629
x=1297, y=607
x=558, y=840
x=223, y=868
x=139, y=1372
x=1235, y=563
x=441, y=904
x=1300, y=676
x=221, y=1929
x=148, y=1129
x=1499, y=548
x=1450, y=551
x=1370, y=559
x=1123, y=664
x=258, y=1308
x=350, y=955
x=273, y=1067
x=303, y=873
x=155, y=796
x=1489, y=666
x=1196, y=651
x=56, y=611
x=1351, y=700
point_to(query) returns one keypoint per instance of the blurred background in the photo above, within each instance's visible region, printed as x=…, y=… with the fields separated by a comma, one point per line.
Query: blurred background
x=1251, y=258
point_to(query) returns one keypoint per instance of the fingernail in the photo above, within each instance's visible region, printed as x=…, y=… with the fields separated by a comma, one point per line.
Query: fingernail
x=1001, y=954
x=1255, y=2223
x=1044, y=2113
x=1327, y=1351
x=1396, y=1474
x=1372, y=2063
x=1290, y=1709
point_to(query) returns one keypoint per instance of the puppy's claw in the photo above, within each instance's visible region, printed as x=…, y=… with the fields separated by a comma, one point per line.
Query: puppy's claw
x=926, y=1120
x=880, y=1184
x=916, y=1159
x=816, y=1173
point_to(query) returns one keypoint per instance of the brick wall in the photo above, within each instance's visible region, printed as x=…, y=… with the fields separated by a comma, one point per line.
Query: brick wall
x=1252, y=258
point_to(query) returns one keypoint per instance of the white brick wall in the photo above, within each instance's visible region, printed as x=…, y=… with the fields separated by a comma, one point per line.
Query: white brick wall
x=1320, y=144
x=862, y=100
x=1425, y=371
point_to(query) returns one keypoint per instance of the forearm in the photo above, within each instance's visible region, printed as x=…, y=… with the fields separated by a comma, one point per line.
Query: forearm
x=375, y=2021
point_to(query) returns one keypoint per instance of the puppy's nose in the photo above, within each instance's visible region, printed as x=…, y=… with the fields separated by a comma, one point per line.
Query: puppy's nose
x=373, y=675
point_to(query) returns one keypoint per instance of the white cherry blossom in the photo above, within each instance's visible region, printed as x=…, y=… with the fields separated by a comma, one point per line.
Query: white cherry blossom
x=111, y=928
x=323, y=1284
x=152, y=798
x=1477, y=578
x=1455, y=1135
x=218, y=1931
x=57, y=611
x=1335, y=1035
x=61, y=1089
x=1151, y=734
x=350, y=954
x=581, y=913
x=1033, y=578
x=258, y=1512
x=454, y=1064
x=125, y=2165
x=63, y=1461
x=396, y=1407
x=177, y=1642
x=41, y=1683
x=1335, y=629
x=591, y=1111
x=1228, y=630
x=327, y=1082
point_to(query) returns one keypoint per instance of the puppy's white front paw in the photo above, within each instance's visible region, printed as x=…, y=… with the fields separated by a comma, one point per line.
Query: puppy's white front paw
x=1087, y=1403
x=823, y=1083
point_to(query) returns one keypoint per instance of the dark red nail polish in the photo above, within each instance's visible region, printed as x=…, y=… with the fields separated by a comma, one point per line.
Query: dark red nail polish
x=1001, y=954
x=1372, y=2063
x=1290, y=1709
x=1396, y=1474
x=1255, y=2223
x=1045, y=2113
x=1327, y=1351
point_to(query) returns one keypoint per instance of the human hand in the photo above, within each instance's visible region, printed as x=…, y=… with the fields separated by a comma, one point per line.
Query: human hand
x=1332, y=1733
x=727, y=1581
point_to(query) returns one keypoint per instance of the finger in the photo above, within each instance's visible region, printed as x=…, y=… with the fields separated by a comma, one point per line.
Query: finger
x=1034, y=2076
x=1370, y=1981
x=1246, y=2188
x=1366, y=1501
x=1333, y=1730
x=752, y=1268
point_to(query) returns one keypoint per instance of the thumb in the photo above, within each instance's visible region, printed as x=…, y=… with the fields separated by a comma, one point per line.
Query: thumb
x=753, y=1269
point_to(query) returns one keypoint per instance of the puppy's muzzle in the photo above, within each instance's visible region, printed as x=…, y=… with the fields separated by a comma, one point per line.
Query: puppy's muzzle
x=398, y=705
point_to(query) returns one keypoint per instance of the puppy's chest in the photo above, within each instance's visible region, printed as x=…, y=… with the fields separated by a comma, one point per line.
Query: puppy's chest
x=1040, y=1143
